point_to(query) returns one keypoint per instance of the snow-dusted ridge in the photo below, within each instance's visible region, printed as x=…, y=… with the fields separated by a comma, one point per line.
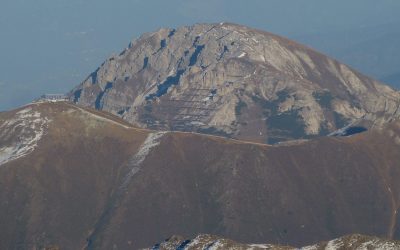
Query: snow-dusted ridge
x=19, y=136
x=356, y=242
x=209, y=242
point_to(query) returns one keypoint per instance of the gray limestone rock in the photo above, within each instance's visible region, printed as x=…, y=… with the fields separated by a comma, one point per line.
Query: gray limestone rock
x=234, y=81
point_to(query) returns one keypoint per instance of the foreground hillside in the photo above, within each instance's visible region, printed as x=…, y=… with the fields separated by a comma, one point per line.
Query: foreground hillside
x=77, y=178
x=234, y=81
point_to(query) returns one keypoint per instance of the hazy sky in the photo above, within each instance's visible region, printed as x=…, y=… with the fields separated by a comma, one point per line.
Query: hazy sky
x=50, y=46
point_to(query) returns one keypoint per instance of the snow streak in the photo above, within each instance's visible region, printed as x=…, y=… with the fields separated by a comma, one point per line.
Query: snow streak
x=152, y=140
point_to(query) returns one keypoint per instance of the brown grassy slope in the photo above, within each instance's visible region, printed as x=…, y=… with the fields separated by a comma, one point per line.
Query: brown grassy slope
x=56, y=194
x=290, y=195
x=61, y=194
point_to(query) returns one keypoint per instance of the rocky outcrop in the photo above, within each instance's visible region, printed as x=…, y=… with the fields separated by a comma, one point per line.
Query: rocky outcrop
x=235, y=81
x=210, y=242
x=356, y=242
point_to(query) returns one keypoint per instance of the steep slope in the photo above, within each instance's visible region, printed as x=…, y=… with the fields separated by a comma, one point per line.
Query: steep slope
x=234, y=81
x=350, y=242
x=88, y=179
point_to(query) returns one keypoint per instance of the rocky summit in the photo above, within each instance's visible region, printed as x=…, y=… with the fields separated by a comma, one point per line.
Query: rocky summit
x=234, y=81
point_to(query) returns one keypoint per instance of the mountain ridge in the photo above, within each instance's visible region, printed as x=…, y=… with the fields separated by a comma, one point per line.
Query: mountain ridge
x=95, y=182
x=350, y=242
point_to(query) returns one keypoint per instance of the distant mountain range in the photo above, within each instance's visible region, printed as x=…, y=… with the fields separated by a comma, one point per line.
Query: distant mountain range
x=230, y=80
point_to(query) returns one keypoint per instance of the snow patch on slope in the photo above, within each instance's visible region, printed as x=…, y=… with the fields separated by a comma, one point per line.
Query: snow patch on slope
x=152, y=140
x=242, y=55
x=334, y=244
x=260, y=246
x=374, y=244
x=194, y=243
x=216, y=245
x=21, y=134
x=354, y=243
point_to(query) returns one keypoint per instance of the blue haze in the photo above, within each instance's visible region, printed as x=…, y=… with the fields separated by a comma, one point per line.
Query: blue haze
x=50, y=46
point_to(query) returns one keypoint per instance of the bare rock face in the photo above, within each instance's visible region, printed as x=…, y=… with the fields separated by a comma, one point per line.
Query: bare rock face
x=235, y=81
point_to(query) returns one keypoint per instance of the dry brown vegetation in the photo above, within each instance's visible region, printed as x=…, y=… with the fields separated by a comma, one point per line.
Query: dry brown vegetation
x=67, y=191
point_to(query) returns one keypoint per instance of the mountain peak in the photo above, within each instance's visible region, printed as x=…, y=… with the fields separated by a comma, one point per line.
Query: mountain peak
x=235, y=81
